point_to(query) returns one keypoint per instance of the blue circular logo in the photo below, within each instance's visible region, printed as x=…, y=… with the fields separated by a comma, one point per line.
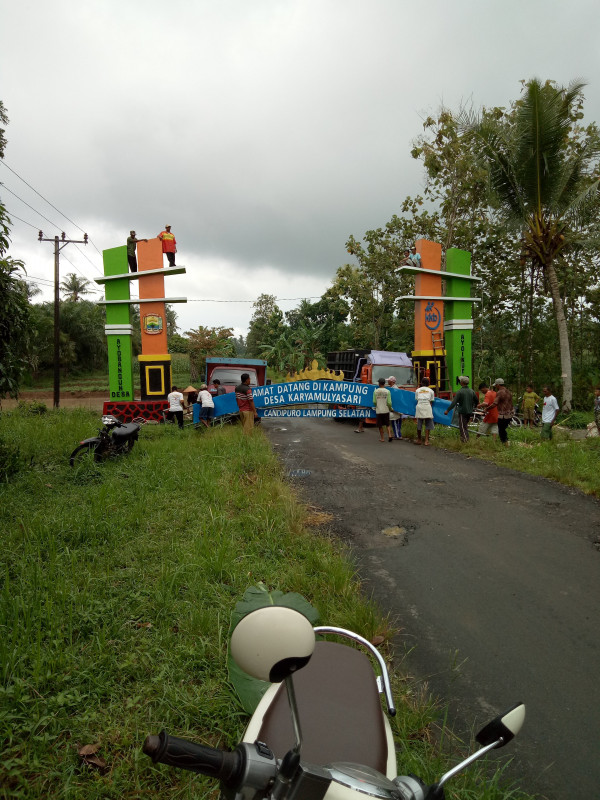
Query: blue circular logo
x=432, y=316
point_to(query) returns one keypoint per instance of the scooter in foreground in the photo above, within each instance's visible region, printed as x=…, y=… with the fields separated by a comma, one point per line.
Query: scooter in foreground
x=114, y=438
x=319, y=730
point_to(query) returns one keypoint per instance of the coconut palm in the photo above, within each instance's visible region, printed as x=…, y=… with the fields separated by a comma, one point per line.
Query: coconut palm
x=542, y=177
x=74, y=286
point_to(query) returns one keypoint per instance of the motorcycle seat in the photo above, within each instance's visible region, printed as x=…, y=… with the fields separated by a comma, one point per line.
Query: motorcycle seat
x=125, y=431
x=340, y=711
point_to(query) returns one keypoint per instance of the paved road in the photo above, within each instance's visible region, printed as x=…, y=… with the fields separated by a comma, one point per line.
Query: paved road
x=493, y=578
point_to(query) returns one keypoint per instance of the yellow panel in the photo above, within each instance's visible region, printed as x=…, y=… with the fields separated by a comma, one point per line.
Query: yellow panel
x=166, y=357
x=436, y=364
x=162, y=380
x=315, y=374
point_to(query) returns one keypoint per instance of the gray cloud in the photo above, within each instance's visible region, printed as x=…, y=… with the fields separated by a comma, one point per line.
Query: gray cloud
x=265, y=132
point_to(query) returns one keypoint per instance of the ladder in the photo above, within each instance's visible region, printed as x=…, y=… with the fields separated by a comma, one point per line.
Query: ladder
x=437, y=345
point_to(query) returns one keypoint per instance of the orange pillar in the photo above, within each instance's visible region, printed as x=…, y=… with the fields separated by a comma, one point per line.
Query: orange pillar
x=155, y=361
x=429, y=314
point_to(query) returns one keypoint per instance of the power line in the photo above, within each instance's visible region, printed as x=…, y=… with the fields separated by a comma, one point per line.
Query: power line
x=54, y=225
x=277, y=299
x=14, y=216
x=46, y=200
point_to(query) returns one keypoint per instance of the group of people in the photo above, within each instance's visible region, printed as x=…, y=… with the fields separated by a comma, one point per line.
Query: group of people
x=243, y=396
x=499, y=409
x=497, y=404
x=169, y=247
x=177, y=402
x=392, y=420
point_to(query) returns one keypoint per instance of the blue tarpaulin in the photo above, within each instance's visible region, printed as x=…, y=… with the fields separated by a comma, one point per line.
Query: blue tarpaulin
x=324, y=392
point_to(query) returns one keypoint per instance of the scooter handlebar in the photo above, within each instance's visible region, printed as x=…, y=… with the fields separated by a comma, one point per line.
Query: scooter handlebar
x=225, y=766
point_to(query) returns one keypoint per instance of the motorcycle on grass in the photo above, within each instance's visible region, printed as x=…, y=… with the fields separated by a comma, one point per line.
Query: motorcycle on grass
x=319, y=731
x=114, y=438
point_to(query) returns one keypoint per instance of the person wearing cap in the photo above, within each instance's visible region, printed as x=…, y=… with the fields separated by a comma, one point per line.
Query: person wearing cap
x=506, y=411
x=382, y=400
x=192, y=395
x=415, y=258
x=131, y=250
x=466, y=402
x=169, y=244
x=395, y=416
x=207, y=412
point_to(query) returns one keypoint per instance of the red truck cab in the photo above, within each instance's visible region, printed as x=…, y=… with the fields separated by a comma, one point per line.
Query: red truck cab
x=230, y=370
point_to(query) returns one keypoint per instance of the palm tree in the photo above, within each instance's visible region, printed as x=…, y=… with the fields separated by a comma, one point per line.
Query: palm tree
x=74, y=286
x=542, y=180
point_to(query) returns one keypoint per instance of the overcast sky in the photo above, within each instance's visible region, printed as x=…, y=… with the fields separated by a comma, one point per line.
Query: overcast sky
x=264, y=131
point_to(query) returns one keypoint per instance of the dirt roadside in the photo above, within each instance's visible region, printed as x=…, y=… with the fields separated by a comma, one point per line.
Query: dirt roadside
x=90, y=400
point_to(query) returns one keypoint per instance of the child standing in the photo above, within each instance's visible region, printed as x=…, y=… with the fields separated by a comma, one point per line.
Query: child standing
x=530, y=398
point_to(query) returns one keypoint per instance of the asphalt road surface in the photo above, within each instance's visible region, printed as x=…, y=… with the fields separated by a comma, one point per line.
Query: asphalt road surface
x=492, y=577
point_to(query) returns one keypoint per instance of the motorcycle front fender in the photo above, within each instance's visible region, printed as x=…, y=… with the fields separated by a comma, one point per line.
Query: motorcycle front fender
x=93, y=440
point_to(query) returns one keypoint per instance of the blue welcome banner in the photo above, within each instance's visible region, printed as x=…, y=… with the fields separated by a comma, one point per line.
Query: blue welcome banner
x=324, y=392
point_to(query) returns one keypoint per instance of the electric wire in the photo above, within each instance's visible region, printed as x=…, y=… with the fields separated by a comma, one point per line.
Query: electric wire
x=277, y=299
x=24, y=221
x=47, y=201
x=55, y=226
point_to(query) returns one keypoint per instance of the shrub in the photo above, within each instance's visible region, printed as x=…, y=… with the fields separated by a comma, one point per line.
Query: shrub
x=35, y=407
x=576, y=419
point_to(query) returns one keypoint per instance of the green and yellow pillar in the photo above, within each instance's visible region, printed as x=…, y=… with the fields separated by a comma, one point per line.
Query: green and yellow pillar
x=458, y=315
x=118, y=326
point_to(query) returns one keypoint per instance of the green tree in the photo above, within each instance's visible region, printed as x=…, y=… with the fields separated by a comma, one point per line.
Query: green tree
x=14, y=302
x=542, y=170
x=208, y=343
x=14, y=318
x=266, y=324
x=74, y=286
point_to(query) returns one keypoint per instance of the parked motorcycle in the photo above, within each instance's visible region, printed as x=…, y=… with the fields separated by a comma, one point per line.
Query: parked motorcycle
x=319, y=730
x=114, y=438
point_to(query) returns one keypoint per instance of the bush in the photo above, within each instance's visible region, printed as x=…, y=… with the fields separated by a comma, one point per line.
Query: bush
x=576, y=419
x=35, y=407
x=10, y=460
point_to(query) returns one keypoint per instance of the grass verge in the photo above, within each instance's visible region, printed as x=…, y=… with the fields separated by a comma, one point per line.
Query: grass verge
x=117, y=584
x=571, y=462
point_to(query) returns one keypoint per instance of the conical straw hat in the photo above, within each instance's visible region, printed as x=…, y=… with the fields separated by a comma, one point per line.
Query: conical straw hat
x=189, y=389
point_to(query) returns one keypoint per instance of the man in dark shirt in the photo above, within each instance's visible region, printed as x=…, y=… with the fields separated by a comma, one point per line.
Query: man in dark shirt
x=243, y=395
x=218, y=389
x=465, y=401
x=131, y=250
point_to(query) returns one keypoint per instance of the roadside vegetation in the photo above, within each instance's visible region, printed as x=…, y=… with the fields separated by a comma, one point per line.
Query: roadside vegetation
x=117, y=585
x=567, y=461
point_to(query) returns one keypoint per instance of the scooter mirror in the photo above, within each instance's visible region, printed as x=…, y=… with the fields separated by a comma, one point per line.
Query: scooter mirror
x=273, y=642
x=503, y=728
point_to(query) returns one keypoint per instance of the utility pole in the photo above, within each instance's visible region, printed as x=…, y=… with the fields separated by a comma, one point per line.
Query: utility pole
x=57, y=248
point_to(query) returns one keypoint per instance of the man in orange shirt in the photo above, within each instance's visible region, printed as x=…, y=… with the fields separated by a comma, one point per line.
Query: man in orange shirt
x=169, y=244
x=489, y=425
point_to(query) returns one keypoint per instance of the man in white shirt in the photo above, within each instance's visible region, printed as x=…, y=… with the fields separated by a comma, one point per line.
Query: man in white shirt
x=382, y=400
x=424, y=412
x=176, y=401
x=207, y=412
x=549, y=413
